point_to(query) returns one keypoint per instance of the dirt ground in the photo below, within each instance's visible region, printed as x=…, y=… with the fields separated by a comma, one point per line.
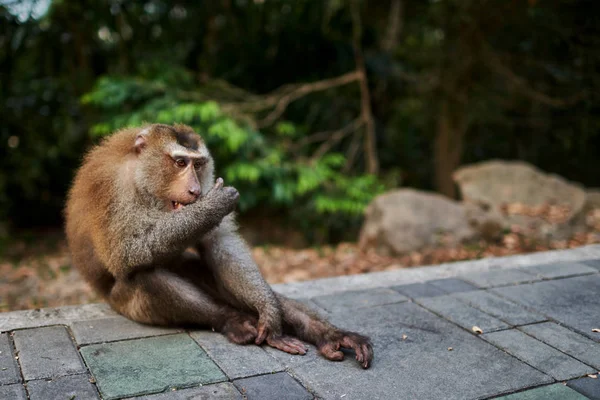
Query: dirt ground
x=36, y=271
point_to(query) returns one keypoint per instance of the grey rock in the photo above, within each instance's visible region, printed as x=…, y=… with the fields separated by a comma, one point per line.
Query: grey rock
x=587, y=386
x=500, y=278
x=359, y=299
x=9, y=371
x=543, y=357
x=272, y=387
x=77, y=387
x=462, y=314
x=551, y=392
x=492, y=184
x=415, y=290
x=500, y=308
x=405, y=220
x=13, y=392
x=558, y=270
x=112, y=329
x=47, y=353
x=567, y=341
x=53, y=316
x=218, y=391
x=235, y=360
x=452, y=285
x=418, y=367
x=572, y=301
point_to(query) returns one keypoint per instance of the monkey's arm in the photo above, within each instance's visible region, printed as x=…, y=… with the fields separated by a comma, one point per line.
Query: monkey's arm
x=156, y=237
x=232, y=263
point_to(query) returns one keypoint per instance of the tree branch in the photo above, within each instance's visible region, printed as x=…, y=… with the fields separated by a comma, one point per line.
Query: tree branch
x=336, y=137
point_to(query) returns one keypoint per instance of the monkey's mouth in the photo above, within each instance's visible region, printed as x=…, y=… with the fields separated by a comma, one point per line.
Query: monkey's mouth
x=177, y=205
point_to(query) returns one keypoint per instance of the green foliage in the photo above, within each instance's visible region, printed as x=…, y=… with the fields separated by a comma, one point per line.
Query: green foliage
x=255, y=162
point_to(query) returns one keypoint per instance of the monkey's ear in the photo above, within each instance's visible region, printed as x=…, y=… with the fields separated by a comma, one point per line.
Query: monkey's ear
x=140, y=141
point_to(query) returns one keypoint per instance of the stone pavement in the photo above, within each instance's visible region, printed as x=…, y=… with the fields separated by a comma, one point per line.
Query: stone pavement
x=539, y=317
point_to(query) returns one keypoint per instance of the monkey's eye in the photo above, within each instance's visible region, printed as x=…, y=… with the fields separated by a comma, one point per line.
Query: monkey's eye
x=180, y=162
x=200, y=162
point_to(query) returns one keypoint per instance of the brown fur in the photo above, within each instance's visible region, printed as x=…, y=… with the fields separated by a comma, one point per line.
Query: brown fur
x=157, y=262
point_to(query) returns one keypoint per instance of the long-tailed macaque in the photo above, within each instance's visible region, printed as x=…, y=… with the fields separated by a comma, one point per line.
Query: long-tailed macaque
x=152, y=232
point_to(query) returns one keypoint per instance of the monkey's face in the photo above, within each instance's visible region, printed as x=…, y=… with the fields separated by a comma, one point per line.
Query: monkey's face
x=174, y=166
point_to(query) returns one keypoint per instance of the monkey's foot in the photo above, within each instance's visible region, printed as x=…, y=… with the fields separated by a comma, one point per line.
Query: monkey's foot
x=240, y=328
x=286, y=343
x=330, y=347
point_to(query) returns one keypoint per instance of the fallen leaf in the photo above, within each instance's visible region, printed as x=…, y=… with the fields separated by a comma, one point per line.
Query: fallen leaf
x=593, y=376
x=597, y=330
x=477, y=330
x=450, y=349
x=404, y=337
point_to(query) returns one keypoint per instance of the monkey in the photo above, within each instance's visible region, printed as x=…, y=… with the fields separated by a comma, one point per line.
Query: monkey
x=154, y=234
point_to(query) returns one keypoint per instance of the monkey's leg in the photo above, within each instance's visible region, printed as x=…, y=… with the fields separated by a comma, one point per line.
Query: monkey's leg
x=241, y=284
x=163, y=298
x=309, y=326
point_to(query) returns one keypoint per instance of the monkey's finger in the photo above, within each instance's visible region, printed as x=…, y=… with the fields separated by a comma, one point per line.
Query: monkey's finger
x=330, y=352
x=251, y=328
x=218, y=183
x=262, y=334
x=285, y=345
x=367, y=350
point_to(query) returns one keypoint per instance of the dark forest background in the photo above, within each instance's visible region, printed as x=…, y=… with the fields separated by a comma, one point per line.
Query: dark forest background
x=310, y=107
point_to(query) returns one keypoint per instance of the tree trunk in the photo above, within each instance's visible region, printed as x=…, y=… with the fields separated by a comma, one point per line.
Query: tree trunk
x=448, y=146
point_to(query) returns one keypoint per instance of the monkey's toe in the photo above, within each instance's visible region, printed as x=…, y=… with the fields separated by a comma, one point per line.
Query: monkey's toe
x=286, y=343
x=330, y=350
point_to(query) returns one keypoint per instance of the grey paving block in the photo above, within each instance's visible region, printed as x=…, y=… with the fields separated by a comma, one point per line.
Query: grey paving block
x=9, y=371
x=587, y=386
x=572, y=301
x=418, y=367
x=592, y=263
x=149, y=365
x=462, y=314
x=558, y=270
x=496, y=278
x=500, y=308
x=359, y=299
x=272, y=387
x=452, y=285
x=543, y=357
x=235, y=360
x=76, y=387
x=567, y=341
x=113, y=329
x=218, y=391
x=558, y=391
x=13, y=392
x=415, y=290
x=47, y=353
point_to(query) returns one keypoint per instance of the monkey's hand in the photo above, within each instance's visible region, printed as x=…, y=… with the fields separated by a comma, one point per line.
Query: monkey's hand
x=274, y=339
x=221, y=199
x=363, y=349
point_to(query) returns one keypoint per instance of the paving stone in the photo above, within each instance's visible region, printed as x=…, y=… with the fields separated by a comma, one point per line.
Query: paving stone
x=152, y=365
x=592, y=263
x=218, y=391
x=502, y=277
x=567, y=341
x=572, y=301
x=359, y=299
x=558, y=270
x=235, y=360
x=9, y=371
x=13, y=392
x=586, y=386
x=452, y=285
x=500, y=308
x=415, y=290
x=47, y=353
x=462, y=314
x=541, y=356
x=113, y=329
x=558, y=391
x=272, y=387
x=77, y=387
x=419, y=367
x=53, y=316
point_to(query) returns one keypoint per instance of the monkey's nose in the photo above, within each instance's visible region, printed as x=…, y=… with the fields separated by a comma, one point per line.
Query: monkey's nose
x=194, y=191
